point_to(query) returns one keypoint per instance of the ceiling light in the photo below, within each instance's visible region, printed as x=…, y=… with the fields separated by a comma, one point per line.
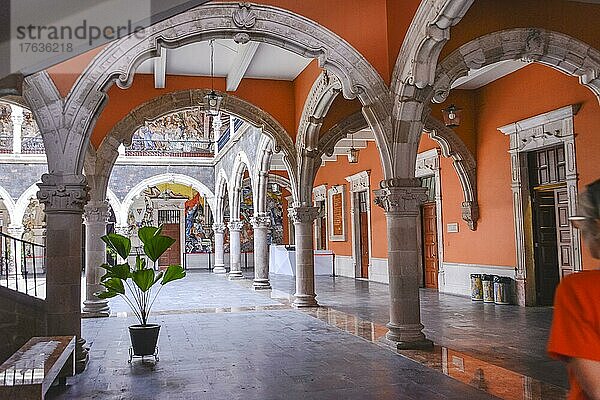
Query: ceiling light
x=212, y=100
x=452, y=116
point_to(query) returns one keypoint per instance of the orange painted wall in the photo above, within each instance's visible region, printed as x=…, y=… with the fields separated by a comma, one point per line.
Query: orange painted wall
x=576, y=19
x=334, y=173
x=466, y=100
x=399, y=18
x=302, y=85
x=66, y=73
x=275, y=97
x=530, y=91
x=339, y=110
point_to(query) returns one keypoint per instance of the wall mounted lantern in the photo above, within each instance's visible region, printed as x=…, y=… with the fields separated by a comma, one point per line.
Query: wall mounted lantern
x=353, y=153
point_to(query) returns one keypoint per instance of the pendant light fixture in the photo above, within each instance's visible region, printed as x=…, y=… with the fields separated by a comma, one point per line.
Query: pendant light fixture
x=353, y=153
x=452, y=116
x=212, y=100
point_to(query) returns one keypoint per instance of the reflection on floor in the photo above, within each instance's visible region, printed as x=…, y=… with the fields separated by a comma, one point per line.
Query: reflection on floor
x=219, y=340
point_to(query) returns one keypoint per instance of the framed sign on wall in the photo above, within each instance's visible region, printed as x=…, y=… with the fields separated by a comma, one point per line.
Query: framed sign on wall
x=337, y=213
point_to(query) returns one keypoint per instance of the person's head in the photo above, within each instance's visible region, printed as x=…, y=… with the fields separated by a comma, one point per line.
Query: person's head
x=588, y=220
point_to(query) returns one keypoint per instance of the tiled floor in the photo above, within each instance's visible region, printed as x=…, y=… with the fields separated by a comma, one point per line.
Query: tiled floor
x=220, y=340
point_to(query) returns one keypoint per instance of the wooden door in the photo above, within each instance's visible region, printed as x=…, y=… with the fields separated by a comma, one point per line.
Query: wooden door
x=363, y=222
x=172, y=256
x=563, y=232
x=545, y=246
x=430, y=253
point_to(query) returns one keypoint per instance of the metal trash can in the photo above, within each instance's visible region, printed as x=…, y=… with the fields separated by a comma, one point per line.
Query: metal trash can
x=476, y=288
x=488, y=288
x=502, y=289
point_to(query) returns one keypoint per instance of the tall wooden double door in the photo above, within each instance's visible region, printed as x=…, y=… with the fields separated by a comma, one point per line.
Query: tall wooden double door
x=430, y=245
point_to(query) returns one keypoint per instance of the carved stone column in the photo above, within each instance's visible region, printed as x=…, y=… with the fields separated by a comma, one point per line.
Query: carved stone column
x=401, y=203
x=95, y=219
x=235, y=251
x=64, y=197
x=219, y=230
x=303, y=218
x=261, y=225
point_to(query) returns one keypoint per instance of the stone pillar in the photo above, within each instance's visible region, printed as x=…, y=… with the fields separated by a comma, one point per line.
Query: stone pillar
x=303, y=218
x=64, y=197
x=219, y=249
x=401, y=204
x=235, y=251
x=95, y=219
x=261, y=225
x=17, y=231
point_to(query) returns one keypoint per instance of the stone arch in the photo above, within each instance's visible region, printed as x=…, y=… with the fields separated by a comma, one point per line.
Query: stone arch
x=220, y=188
x=240, y=164
x=9, y=203
x=68, y=123
x=23, y=202
x=557, y=50
x=105, y=157
x=261, y=174
x=162, y=178
x=114, y=202
x=464, y=163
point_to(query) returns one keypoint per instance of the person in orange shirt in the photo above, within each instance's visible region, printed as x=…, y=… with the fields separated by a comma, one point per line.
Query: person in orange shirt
x=575, y=332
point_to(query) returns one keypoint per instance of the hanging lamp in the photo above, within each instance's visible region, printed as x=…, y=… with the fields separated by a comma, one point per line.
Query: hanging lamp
x=212, y=100
x=353, y=153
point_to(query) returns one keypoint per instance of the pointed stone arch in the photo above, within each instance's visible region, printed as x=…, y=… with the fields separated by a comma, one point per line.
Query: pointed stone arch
x=67, y=123
x=557, y=50
x=23, y=201
x=9, y=203
x=241, y=164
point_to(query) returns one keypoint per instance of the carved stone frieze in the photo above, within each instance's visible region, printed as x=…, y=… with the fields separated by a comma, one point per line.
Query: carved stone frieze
x=302, y=214
x=219, y=228
x=63, y=193
x=96, y=212
x=359, y=182
x=403, y=200
x=235, y=225
x=244, y=17
x=261, y=221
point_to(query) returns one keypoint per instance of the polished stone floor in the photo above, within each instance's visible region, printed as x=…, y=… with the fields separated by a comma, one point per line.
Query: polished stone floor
x=221, y=340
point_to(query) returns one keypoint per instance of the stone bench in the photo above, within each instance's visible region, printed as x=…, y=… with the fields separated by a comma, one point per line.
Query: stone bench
x=29, y=372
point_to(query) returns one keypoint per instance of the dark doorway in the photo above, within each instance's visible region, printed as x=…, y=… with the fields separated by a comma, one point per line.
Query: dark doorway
x=363, y=222
x=545, y=246
x=430, y=256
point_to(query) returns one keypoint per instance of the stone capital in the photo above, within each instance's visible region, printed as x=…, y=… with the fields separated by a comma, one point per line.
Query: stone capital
x=261, y=221
x=96, y=212
x=219, y=228
x=402, y=200
x=303, y=214
x=235, y=225
x=63, y=194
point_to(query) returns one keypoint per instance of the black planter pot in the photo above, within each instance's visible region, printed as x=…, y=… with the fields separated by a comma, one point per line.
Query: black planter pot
x=144, y=339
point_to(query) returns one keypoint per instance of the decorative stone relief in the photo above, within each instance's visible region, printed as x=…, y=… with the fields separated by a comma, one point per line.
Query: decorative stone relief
x=359, y=182
x=96, y=212
x=402, y=200
x=427, y=163
x=320, y=193
x=219, y=228
x=63, y=193
x=235, y=225
x=261, y=221
x=244, y=16
x=303, y=215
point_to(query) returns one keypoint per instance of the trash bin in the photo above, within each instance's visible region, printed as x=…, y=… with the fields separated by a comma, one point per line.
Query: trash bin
x=476, y=288
x=487, y=282
x=502, y=289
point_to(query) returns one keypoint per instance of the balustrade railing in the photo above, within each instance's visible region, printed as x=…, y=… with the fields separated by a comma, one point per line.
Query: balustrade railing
x=23, y=266
x=6, y=144
x=32, y=145
x=170, y=148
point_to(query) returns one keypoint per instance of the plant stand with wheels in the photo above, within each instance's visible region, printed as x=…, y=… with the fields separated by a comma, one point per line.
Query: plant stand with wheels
x=132, y=355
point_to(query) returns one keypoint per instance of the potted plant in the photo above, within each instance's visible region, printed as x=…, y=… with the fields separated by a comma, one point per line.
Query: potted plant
x=135, y=285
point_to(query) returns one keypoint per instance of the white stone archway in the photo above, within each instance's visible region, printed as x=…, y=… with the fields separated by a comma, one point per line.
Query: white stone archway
x=240, y=164
x=158, y=179
x=23, y=202
x=9, y=203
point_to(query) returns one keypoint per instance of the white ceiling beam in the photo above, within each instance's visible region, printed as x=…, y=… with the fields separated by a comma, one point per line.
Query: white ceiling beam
x=240, y=64
x=160, y=69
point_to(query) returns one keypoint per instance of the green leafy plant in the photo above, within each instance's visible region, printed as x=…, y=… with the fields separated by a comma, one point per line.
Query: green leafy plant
x=135, y=284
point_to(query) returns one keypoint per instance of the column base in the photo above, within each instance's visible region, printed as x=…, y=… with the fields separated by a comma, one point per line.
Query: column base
x=235, y=275
x=406, y=337
x=261, y=284
x=81, y=355
x=305, y=300
x=95, y=309
x=219, y=269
